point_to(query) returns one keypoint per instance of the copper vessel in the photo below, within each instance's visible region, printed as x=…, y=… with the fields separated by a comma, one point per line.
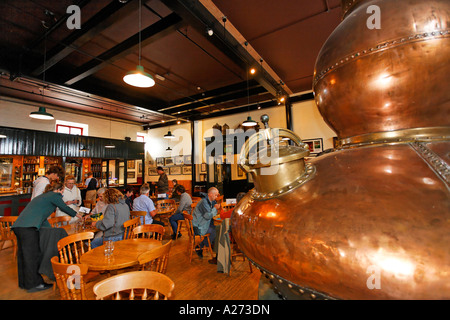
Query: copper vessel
x=370, y=220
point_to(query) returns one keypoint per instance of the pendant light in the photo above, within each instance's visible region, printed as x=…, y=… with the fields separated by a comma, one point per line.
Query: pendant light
x=249, y=122
x=139, y=78
x=42, y=113
x=169, y=135
x=110, y=145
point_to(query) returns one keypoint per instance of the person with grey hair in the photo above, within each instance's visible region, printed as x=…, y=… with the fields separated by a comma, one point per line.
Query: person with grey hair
x=202, y=220
x=144, y=203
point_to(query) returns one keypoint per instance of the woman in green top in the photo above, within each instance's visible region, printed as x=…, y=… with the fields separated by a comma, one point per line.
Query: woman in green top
x=26, y=229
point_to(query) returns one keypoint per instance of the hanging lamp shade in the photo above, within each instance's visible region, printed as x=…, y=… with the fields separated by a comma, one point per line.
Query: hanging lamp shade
x=139, y=78
x=249, y=122
x=169, y=135
x=110, y=145
x=42, y=114
x=169, y=149
x=2, y=136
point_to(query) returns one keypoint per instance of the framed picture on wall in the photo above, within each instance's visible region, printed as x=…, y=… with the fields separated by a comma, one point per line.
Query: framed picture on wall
x=187, y=169
x=175, y=170
x=203, y=168
x=315, y=145
x=168, y=161
x=179, y=160
x=140, y=167
x=131, y=175
x=152, y=171
x=160, y=162
x=131, y=164
x=188, y=159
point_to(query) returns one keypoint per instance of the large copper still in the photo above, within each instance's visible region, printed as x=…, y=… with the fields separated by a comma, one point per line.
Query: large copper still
x=370, y=220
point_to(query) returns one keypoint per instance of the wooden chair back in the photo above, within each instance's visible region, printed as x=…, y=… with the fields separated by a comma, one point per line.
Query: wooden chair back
x=89, y=204
x=72, y=247
x=129, y=225
x=134, y=214
x=166, y=203
x=58, y=222
x=145, y=285
x=149, y=231
x=227, y=206
x=156, y=259
x=193, y=237
x=196, y=199
x=70, y=279
x=6, y=234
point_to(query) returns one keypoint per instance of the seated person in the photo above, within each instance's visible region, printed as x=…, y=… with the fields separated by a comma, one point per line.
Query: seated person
x=71, y=197
x=129, y=197
x=202, y=221
x=185, y=205
x=100, y=205
x=114, y=216
x=144, y=203
x=224, y=215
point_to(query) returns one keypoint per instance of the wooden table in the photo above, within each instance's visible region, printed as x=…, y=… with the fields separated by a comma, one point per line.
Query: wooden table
x=72, y=229
x=126, y=253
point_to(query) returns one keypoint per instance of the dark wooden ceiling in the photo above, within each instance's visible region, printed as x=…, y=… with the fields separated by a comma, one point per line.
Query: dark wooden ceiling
x=197, y=75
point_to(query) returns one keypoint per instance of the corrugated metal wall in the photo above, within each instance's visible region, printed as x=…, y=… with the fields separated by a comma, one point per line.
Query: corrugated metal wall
x=43, y=143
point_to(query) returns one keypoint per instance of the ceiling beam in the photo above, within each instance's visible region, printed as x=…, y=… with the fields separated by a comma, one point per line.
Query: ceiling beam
x=152, y=33
x=202, y=14
x=112, y=13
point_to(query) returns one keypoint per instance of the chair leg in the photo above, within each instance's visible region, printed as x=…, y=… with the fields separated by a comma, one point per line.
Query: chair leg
x=180, y=222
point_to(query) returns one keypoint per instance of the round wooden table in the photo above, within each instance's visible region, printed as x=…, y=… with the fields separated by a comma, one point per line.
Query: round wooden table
x=126, y=253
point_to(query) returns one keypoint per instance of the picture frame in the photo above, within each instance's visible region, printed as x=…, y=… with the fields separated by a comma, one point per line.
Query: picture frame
x=188, y=159
x=152, y=171
x=168, y=161
x=131, y=164
x=187, y=169
x=179, y=160
x=131, y=175
x=203, y=168
x=315, y=145
x=174, y=170
x=160, y=162
x=140, y=167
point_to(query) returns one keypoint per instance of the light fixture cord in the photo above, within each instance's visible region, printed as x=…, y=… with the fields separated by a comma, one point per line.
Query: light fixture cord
x=140, y=22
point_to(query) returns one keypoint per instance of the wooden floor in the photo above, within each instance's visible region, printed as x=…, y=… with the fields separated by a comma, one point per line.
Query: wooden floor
x=198, y=280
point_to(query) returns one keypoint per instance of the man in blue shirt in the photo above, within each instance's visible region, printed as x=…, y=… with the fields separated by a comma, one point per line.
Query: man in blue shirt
x=202, y=221
x=144, y=203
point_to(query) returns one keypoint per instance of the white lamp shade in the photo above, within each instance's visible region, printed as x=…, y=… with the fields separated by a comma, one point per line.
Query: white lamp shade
x=42, y=114
x=139, y=78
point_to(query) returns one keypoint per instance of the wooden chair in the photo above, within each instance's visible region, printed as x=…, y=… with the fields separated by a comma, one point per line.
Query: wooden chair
x=134, y=214
x=89, y=204
x=196, y=199
x=156, y=259
x=145, y=285
x=129, y=226
x=7, y=234
x=228, y=206
x=76, y=274
x=180, y=224
x=154, y=231
x=72, y=247
x=58, y=222
x=167, y=203
x=193, y=237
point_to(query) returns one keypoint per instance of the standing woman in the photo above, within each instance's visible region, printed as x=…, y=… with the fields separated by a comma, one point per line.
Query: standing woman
x=26, y=229
x=114, y=215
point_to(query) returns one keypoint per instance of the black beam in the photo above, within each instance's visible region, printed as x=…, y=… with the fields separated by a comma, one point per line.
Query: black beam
x=112, y=13
x=154, y=32
x=199, y=18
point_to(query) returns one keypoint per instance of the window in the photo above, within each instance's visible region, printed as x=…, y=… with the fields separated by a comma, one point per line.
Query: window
x=60, y=128
x=140, y=138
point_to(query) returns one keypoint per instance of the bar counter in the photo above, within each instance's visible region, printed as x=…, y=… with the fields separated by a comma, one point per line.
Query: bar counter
x=12, y=204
